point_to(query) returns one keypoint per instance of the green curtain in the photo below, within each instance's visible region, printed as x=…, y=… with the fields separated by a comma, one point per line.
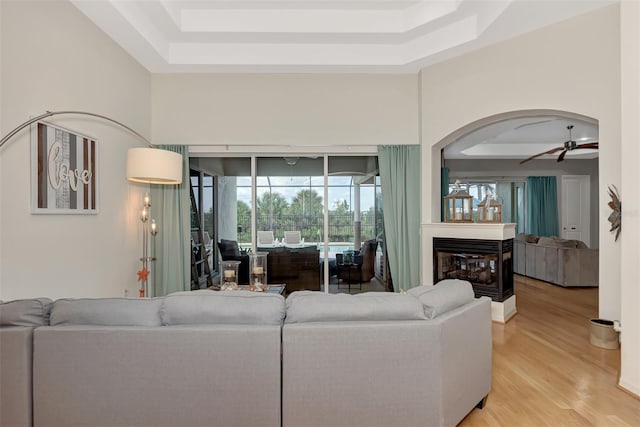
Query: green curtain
x=170, y=207
x=400, y=179
x=542, y=205
x=444, y=189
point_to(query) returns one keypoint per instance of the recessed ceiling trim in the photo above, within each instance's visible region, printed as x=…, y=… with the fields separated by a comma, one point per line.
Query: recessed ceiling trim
x=283, y=35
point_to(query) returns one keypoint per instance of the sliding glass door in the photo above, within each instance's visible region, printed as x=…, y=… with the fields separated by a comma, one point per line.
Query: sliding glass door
x=331, y=204
x=290, y=198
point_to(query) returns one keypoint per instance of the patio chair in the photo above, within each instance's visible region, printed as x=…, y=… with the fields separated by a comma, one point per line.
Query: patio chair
x=292, y=237
x=363, y=267
x=265, y=238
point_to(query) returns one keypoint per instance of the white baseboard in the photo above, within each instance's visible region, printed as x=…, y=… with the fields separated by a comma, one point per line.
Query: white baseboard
x=501, y=312
x=630, y=388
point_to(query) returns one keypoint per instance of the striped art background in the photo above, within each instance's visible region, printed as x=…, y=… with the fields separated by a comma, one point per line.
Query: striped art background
x=66, y=171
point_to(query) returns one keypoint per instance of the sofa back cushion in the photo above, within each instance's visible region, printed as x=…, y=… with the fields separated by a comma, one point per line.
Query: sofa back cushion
x=107, y=312
x=561, y=243
x=25, y=312
x=308, y=306
x=222, y=307
x=444, y=296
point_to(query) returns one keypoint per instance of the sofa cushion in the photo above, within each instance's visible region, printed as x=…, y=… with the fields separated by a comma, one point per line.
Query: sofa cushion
x=558, y=242
x=581, y=245
x=531, y=238
x=25, y=312
x=107, y=312
x=308, y=306
x=528, y=238
x=222, y=307
x=443, y=296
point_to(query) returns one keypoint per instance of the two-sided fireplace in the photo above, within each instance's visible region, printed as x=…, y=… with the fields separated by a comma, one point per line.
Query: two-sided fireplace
x=487, y=264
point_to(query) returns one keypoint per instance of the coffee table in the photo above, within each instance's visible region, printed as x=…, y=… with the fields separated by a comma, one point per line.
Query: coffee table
x=271, y=289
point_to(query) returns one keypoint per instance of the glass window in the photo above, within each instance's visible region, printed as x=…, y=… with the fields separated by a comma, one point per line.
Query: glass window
x=289, y=199
x=508, y=192
x=289, y=196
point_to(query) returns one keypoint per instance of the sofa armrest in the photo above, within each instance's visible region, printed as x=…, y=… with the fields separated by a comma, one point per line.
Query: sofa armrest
x=387, y=373
x=466, y=358
x=16, y=355
x=578, y=267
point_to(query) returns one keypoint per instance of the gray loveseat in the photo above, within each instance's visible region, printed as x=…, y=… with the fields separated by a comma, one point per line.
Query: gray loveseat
x=554, y=260
x=247, y=359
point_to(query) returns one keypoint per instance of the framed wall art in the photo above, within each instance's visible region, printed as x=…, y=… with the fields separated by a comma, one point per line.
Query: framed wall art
x=64, y=171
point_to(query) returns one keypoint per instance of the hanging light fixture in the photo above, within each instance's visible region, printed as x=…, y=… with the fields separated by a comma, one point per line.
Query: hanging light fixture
x=146, y=164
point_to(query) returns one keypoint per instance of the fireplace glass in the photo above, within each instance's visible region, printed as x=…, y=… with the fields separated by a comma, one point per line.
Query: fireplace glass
x=487, y=264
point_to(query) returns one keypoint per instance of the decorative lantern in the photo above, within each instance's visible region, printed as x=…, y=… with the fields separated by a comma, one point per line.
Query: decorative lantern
x=458, y=205
x=258, y=271
x=490, y=210
x=229, y=278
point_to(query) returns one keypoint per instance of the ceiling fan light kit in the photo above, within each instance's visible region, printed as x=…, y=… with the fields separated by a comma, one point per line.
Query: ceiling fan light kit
x=568, y=145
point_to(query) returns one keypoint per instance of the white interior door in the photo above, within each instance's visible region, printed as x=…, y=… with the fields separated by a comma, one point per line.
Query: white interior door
x=575, y=223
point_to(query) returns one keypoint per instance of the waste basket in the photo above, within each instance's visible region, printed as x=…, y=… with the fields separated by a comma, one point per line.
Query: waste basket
x=601, y=334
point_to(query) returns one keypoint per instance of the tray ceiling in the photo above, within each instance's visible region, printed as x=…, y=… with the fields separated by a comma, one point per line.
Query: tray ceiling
x=373, y=36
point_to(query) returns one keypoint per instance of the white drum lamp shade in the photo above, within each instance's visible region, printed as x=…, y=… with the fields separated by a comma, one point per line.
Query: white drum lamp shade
x=154, y=166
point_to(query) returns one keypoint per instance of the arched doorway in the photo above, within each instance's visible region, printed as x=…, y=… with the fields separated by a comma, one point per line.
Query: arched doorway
x=486, y=152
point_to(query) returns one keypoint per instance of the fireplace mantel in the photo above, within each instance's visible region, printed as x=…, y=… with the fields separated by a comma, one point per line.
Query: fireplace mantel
x=485, y=231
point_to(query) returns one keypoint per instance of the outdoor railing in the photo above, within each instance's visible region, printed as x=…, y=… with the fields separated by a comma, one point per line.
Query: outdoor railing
x=310, y=227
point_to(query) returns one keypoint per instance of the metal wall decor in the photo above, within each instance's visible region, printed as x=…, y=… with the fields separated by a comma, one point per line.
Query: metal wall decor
x=615, y=218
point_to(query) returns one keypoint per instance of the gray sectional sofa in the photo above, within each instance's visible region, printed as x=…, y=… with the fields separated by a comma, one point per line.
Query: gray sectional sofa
x=559, y=261
x=247, y=359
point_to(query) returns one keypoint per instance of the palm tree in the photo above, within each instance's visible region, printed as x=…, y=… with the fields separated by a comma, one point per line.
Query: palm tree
x=306, y=202
x=306, y=211
x=268, y=207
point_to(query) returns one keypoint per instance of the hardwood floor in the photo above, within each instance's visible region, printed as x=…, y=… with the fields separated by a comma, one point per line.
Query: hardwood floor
x=545, y=371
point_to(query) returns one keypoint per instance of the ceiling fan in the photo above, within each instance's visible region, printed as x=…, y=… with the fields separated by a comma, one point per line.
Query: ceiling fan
x=569, y=145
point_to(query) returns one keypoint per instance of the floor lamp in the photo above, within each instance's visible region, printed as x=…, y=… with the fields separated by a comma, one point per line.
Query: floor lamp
x=144, y=164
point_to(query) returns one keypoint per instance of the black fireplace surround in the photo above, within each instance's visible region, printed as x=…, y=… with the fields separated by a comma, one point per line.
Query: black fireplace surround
x=487, y=264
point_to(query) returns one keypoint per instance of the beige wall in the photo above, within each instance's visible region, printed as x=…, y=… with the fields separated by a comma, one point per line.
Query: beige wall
x=324, y=113
x=630, y=237
x=53, y=58
x=566, y=67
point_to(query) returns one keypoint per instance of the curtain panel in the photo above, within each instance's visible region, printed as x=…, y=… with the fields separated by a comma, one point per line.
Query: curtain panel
x=444, y=189
x=542, y=205
x=170, y=205
x=400, y=178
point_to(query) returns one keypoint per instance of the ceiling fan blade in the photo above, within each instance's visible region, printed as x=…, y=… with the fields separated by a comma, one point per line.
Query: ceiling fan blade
x=552, y=151
x=561, y=156
x=588, y=145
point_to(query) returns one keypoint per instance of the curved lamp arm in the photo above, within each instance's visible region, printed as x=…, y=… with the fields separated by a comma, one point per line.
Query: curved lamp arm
x=83, y=113
x=148, y=165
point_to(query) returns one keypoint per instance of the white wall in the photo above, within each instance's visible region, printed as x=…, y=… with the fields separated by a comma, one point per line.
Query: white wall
x=540, y=70
x=53, y=58
x=327, y=112
x=630, y=237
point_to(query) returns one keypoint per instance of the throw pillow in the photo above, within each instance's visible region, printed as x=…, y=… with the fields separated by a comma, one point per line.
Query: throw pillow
x=229, y=248
x=546, y=241
x=531, y=238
